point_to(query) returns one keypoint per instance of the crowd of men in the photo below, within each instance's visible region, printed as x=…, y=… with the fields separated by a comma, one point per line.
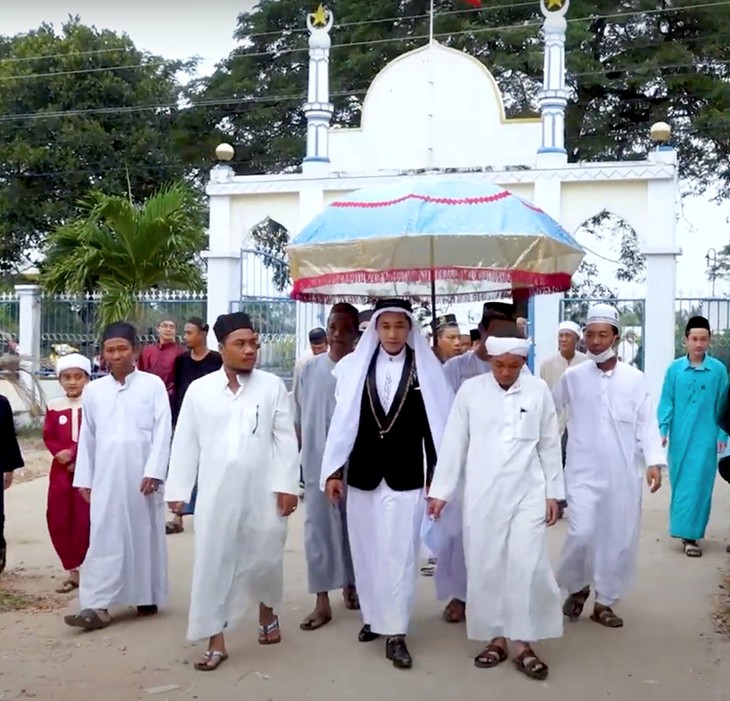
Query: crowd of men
x=455, y=452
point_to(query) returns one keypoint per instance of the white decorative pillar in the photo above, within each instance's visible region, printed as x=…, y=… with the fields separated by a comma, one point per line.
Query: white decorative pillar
x=318, y=109
x=551, y=155
x=309, y=315
x=29, y=332
x=223, y=254
x=660, y=250
x=554, y=96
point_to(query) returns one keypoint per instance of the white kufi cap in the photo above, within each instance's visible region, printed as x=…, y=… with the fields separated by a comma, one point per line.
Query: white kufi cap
x=74, y=361
x=602, y=314
x=570, y=326
x=503, y=346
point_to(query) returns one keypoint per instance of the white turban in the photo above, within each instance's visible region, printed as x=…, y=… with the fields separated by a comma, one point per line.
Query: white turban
x=74, y=361
x=512, y=346
x=602, y=314
x=570, y=326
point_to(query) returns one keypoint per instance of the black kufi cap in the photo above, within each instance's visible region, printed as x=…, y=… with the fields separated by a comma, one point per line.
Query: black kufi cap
x=120, y=329
x=317, y=335
x=228, y=323
x=475, y=335
x=697, y=322
x=394, y=303
x=445, y=320
x=197, y=321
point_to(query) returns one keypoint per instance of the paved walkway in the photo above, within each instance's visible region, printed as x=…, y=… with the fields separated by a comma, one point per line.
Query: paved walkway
x=668, y=650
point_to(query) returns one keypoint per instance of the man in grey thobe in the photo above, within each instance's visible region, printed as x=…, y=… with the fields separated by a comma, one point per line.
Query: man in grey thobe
x=329, y=564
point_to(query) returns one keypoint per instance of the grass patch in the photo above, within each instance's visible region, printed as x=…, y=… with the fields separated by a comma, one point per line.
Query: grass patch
x=30, y=430
x=13, y=601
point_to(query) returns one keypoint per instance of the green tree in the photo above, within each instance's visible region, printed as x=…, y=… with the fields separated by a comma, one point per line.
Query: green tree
x=80, y=109
x=629, y=64
x=122, y=248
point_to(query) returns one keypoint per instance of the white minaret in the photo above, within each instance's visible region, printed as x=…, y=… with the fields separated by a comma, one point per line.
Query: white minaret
x=318, y=109
x=554, y=95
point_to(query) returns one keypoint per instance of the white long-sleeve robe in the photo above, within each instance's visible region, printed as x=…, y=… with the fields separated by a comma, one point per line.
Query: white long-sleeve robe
x=506, y=447
x=612, y=435
x=125, y=437
x=243, y=449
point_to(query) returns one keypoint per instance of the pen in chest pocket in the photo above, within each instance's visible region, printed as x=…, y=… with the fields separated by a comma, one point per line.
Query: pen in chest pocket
x=257, y=420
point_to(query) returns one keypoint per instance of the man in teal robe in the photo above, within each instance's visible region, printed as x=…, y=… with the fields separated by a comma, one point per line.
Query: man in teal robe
x=693, y=395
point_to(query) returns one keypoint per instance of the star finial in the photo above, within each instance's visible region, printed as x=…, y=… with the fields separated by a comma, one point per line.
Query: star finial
x=319, y=17
x=558, y=4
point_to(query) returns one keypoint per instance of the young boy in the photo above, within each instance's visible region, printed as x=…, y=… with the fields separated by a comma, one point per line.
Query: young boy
x=67, y=513
x=694, y=391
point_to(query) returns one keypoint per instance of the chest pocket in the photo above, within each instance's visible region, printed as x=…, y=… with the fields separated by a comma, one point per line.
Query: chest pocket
x=527, y=424
x=625, y=413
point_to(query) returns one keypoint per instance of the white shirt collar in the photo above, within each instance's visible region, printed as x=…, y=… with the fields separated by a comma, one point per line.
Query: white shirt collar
x=383, y=355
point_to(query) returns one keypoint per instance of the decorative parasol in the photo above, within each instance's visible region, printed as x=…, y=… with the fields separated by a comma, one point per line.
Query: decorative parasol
x=454, y=240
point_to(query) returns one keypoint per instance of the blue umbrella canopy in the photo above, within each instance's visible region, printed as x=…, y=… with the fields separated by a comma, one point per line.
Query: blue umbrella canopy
x=456, y=239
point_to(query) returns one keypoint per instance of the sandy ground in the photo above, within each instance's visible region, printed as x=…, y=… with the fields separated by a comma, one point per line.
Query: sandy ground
x=670, y=648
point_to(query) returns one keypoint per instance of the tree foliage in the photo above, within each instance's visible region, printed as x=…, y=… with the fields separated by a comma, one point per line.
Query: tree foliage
x=629, y=64
x=122, y=248
x=81, y=109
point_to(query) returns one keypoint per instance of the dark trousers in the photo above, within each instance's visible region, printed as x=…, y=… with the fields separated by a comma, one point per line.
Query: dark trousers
x=564, y=446
x=2, y=515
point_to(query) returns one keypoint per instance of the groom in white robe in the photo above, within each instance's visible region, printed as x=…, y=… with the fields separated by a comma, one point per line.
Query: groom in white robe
x=124, y=444
x=501, y=447
x=392, y=404
x=613, y=436
x=235, y=433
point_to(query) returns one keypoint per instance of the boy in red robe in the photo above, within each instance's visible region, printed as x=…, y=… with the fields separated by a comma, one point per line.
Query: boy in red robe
x=68, y=512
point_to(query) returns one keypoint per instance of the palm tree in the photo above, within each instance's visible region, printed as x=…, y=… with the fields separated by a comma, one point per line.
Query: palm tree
x=121, y=248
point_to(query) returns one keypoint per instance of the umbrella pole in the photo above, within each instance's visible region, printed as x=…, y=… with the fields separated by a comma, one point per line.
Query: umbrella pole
x=433, y=309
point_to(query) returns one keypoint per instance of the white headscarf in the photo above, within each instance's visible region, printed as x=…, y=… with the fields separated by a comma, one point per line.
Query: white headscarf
x=351, y=373
x=570, y=326
x=502, y=346
x=74, y=361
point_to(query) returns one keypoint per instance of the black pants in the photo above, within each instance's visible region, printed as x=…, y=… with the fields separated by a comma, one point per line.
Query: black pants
x=564, y=447
x=2, y=515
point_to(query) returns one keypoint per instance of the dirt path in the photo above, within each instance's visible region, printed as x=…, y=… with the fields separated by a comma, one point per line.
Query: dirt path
x=668, y=651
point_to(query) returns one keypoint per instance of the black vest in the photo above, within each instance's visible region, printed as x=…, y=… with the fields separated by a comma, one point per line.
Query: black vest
x=391, y=447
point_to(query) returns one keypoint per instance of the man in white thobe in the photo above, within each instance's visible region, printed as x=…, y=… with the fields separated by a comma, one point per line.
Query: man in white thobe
x=554, y=367
x=612, y=434
x=235, y=434
x=123, y=448
x=502, y=444
x=450, y=575
x=392, y=404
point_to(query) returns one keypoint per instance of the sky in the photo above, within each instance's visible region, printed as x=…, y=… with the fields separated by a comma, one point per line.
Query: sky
x=181, y=30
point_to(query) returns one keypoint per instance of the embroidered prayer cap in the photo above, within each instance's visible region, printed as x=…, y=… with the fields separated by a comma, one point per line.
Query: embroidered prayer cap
x=507, y=346
x=197, y=321
x=393, y=304
x=570, y=326
x=226, y=324
x=445, y=320
x=318, y=335
x=475, y=335
x=602, y=314
x=697, y=322
x=120, y=330
x=73, y=361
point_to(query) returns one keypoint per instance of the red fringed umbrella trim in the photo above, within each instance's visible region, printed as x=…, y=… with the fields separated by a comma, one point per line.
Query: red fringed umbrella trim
x=525, y=282
x=426, y=198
